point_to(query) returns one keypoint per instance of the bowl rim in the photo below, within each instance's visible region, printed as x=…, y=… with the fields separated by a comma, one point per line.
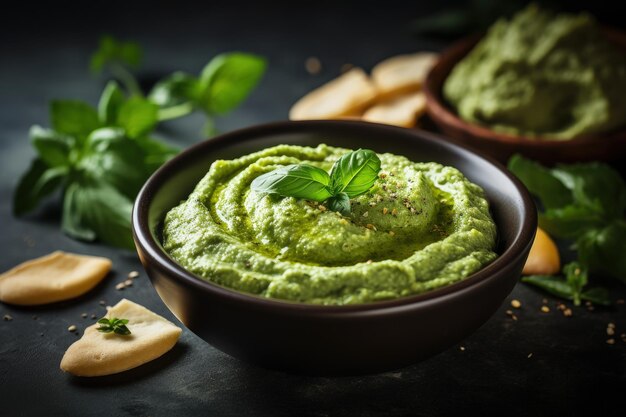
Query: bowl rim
x=151, y=249
x=437, y=107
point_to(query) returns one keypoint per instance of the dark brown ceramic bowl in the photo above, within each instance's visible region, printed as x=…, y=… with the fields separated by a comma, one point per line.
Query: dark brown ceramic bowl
x=600, y=147
x=315, y=339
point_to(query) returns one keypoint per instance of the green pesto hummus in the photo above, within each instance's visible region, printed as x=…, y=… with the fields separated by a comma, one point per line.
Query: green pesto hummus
x=540, y=74
x=421, y=226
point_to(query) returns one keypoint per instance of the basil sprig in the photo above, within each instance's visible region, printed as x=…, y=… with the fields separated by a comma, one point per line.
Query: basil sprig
x=352, y=175
x=98, y=158
x=570, y=286
x=114, y=325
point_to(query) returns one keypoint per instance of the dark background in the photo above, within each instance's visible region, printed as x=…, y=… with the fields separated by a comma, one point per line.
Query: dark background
x=45, y=52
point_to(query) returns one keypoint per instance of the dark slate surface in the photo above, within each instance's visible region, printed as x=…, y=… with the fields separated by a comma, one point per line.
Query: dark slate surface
x=572, y=370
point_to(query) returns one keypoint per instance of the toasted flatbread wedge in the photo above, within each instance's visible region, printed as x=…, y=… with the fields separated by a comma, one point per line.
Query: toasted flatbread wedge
x=403, y=111
x=344, y=96
x=97, y=353
x=54, y=277
x=402, y=74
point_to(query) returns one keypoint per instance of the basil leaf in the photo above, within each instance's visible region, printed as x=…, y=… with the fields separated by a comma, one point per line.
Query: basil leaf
x=122, y=329
x=570, y=221
x=228, y=79
x=53, y=148
x=117, y=160
x=596, y=186
x=603, y=250
x=95, y=209
x=576, y=278
x=111, y=101
x=299, y=181
x=111, y=50
x=73, y=222
x=103, y=321
x=553, y=285
x=38, y=182
x=340, y=203
x=137, y=116
x=597, y=295
x=73, y=118
x=540, y=182
x=355, y=172
x=176, y=89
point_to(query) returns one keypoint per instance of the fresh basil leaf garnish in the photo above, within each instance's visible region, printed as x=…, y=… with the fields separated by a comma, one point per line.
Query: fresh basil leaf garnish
x=114, y=325
x=299, y=181
x=355, y=172
x=340, y=203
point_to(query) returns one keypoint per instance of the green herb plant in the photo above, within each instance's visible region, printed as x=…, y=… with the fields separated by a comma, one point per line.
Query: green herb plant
x=114, y=325
x=351, y=175
x=570, y=286
x=100, y=157
x=585, y=203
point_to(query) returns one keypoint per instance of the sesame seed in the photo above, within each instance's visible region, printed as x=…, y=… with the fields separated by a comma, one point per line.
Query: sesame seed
x=321, y=207
x=514, y=317
x=371, y=226
x=84, y=315
x=516, y=304
x=545, y=309
x=391, y=232
x=385, y=210
x=394, y=212
x=610, y=341
x=462, y=348
x=567, y=312
x=93, y=316
x=102, y=302
x=128, y=282
x=509, y=312
x=72, y=328
x=610, y=331
x=530, y=355
x=120, y=286
x=365, y=214
x=133, y=274
x=611, y=325
x=7, y=317
x=313, y=65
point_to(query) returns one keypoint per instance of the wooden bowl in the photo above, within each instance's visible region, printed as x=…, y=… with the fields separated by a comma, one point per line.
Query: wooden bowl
x=603, y=147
